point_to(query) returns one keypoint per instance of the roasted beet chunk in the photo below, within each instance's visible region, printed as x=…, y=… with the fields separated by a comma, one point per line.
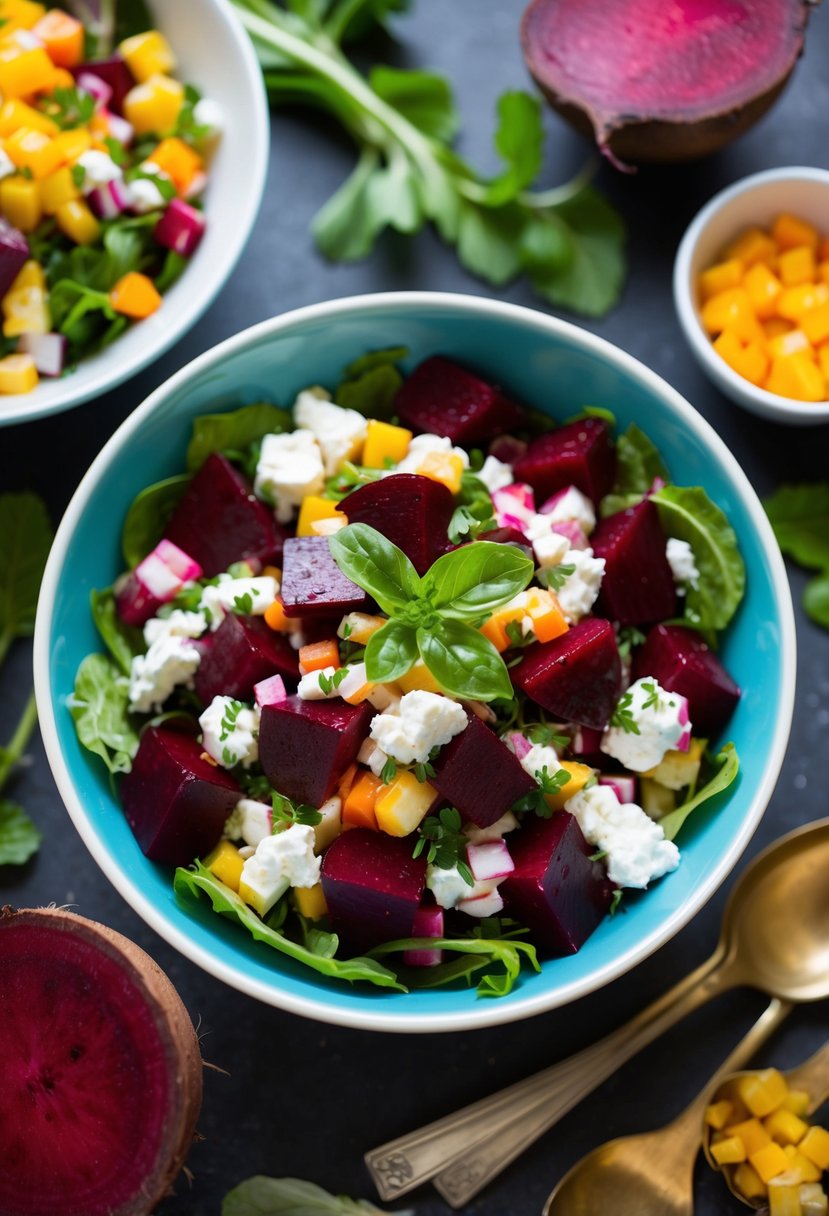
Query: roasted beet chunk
x=114, y=72
x=443, y=398
x=176, y=802
x=241, y=652
x=372, y=887
x=579, y=454
x=14, y=250
x=218, y=520
x=577, y=677
x=555, y=889
x=412, y=512
x=479, y=775
x=306, y=746
x=638, y=586
x=681, y=662
x=312, y=582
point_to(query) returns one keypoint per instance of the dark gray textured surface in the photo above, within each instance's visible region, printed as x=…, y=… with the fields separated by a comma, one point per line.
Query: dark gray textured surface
x=302, y=1098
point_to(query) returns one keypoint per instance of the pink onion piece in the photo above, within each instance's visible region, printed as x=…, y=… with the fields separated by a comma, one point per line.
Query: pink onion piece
x=623, y=786
x=95, y=87
x=428, y=922
x=47, y=350
x=180, y=228
x=270, y=691
x=109, y=200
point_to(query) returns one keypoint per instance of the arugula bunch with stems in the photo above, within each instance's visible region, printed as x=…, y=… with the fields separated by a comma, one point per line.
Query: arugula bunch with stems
x=568, y=241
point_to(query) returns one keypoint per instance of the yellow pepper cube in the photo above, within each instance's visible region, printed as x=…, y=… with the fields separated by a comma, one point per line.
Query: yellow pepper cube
x=784, y=1198
x=788, y=231
x=15, y=114
x=315, y=508
x=20, y=202
x=769, y=1161
x=226, y=863
x=148, y=55
x=805, y=1169
x=310, y=902
x=178, y=160
x=72, y=144
x=33, y=151
x=30, y=274
x=797, y=1101
x=752, y=1133
x=418, y=679
x=762, y=1091
x=775, y=326
x=797, y=266
x=544, y=611
x=794, y=302
x=753, y=245
x=717, y=1114
x=56, y=189
x=20, y=14
x=77, y=222
x=24, y=72
x=815, y=324
x=402, y=805
x=797, y=376
x=748, y=1182
x=358, y=627
x=18, y=374
x=385, y=442
x=445, y=467
x=823, y=271
x=748, y=360
x=729, y=1152
x=789, y=343
x=763, y=287
x=578, y=776
x=26, y=311
x=784, y=1127
x=823, y=360
x=720, y=277
x=732, y=309
x=675, y=771
x=815, y=1146
x=154, y=106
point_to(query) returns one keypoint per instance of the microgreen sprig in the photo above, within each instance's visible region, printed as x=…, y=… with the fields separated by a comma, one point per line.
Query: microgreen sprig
x=286, y=812
x=548, y=784
x=443, y=835
x=622, y=716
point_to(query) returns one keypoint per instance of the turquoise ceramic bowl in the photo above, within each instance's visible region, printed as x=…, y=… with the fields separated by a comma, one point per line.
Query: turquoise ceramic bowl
x=548, y=363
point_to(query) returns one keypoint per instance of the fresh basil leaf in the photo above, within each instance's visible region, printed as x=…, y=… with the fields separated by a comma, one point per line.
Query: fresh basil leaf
x=689, y=514
x=19, y=838
x=477, y=579
x=638, y=463
x=234, y=430
x=590, y=282
x=99, y=711
x=424, y=98
x=26, y=539
x=147, y=516
x=372, y=392
x=726, y=774
x=261, y=1196
x=799, y=515
x=464, y=662
x=518, y=140
x=372, y=562
x=122, y=641
x=390, y=652
x=816, y=600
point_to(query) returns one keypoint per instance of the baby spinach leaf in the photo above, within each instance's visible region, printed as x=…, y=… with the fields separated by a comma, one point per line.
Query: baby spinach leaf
x=19, y=838
x=26, y=539
x=371, y=392
x=147, y=516
x=371, y=561
x=816, y=599
x=261, y=1196
x=463, y=661
x=234, y=430
x=475, y=580
x=374, y=358
x=99, y=710
x=638, y=462
x=729, y=766
x=390, y=652
x=799, y=515
x=688, y=513
x=122, y=641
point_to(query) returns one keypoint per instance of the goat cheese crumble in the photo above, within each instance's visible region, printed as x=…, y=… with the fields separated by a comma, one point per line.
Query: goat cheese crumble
x=635, y=848
x=421, y=721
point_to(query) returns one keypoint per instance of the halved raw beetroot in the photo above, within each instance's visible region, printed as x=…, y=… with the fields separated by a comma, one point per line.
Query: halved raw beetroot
x=306, y=746
x=443, y=398
x=412, y=512
x=681, y=662
x=241, y=652
x=175, y=801
x=657, y=82
x=579, y=454
x=218, y=521
x=312, y=582
x=638, y=586
x=479, y=775
x=577, y=677
x=102, y=1074
x=555, y=889
x=372, y=886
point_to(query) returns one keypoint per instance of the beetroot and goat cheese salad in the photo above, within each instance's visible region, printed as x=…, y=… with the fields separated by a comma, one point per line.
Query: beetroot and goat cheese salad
x=412, y=681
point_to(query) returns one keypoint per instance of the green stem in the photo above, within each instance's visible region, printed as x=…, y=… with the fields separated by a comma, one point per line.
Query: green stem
x=6, y=639
x=13, y=752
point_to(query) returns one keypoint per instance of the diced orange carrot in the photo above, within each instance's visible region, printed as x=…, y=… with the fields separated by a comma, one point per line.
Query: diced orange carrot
x=178, y=160
x=62, y=36
x=275, y=616
x=135, y=296
x=358, y=807
x=316, y=656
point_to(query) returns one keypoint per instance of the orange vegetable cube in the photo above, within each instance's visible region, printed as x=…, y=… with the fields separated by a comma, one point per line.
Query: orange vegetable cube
x=752, y=245
x=445, y=467
x=815, y=324
x=788, y=231
x=794, y=302
x=720, y=277
x=135, y=296
x=313, y=509
x=26, y=311
x=20, y=202
x=20, y=14
x=56, y=189
x=752, y=1133
x=226, y=863
x=785, y=1127
x=418, y=678
x=154, y=106
x=148, y=55
x=763, y=287
x=62, y=36
x=23, y=72
x=15, y=113
x=748, y=1182
x=316, y=656
x=275, y=617
x=18, y=374
x=579, y=775
x=544, y=610
x=823, y=271
x=72, y=144
x=358, y=627
x=806, y=1170
x=797, y=376
x=748, y=360
x=775, y=326
x=33, y=151
x=360, y=802
x=385, y=442
x=729, y=1152
x=789, y=343
x=769, y=1161
x=310, y=902
x=178, y=160
x=346, y=781
x=823, y=360
x=815, y=1146
x=402, y=805
x=717, y=1114
x=732, y=309
x=80, y=225
x=796, y=266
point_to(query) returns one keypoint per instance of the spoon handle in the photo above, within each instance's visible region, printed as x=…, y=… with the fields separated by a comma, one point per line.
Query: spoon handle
x=468, y=1148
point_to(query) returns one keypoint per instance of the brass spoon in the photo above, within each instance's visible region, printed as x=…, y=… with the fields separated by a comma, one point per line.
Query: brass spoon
x=773, y=938
x=652, y=1174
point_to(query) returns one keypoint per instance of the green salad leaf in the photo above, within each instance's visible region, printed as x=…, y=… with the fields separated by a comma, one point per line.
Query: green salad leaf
x=99, y=709
x=19, y=838
x=260, y=1196
x=371, y=392
x=26, y=538
x=505, y=954
x=234, y=430
x=122, y=641
x=799, y=515
x=728, y=768
x=474, y=513
x=147, y=515
x=816, y=599
x=372, y=562
x=474, y=581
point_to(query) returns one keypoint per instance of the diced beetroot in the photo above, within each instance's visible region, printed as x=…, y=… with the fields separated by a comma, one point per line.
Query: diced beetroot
x=479, y=775
x=114, y=72
x=443, y=398
x=306, y=746
x=312, y=582
x=412, y=512
x=175, y=801
x=555, y=889
x=578, y=454
x=47, y=350
x=270, y=691
x=372, y=886
x=155, y=581
x=508, y=536
x=219, y=521
x=507, y=448
x=428, y=922
x=586, y=741
x=638, y=586
x=242, y=652
x=577, y=677
x=96, y=87
x=180, y=228
x=14, y=250
x=681, y=662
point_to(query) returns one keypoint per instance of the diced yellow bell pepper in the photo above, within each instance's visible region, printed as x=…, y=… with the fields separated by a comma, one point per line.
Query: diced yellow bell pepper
x=785, y=1127
x=15, y=114
x=752, y=1133
x=815, y=324
x=823, y=270
x=748, y=360
x=775, y=326
x=358, y=627
x=18, y=374
x=676, y=770
x=748, y=1182
x=717, y=1114
x=769, y=1161
x=762, y=1091
x=402, y=805
x=30, y=274
x=752, y=246
x=815, y=1146
x=788, y=231
x=385, y=442
x=72, y=144
x=56, y=189
x=20, y=14
x=26, y=311
x=313, y=508
x=732, y=309
x=729, y=1152
x=20, y=202
x=154, y=106
x=178, y=160
x=805, y=1169
x=797, y=376
x=789, y=343
x=33, y=151
x=797, y=1101
x=579, y=775
x=419, y=678
x=77, y=222
x=823, y=360
x=445, y=467
x=24, y=72
x=796, y=266
x=784, y=1198
x=720, y=277
x=148, y=55
x=310, y=902
x=226, y=863
x=63, y=37
x=763, y=287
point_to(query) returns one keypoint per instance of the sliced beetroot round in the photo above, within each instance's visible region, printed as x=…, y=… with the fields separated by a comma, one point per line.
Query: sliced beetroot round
x=657, y=82
x=102, y=1074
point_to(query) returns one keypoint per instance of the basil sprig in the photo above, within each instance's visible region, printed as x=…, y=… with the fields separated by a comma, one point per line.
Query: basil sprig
x=430, y=617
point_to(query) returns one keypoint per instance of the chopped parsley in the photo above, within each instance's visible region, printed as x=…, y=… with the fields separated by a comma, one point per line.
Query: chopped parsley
x=332, y=683
x=548, y=785
x=622, y=716
x=287, y=812
x=554, y=577
x=442, y=837
x=389, y=771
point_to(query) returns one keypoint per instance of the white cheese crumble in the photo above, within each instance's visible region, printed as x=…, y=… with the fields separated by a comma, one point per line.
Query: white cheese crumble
x=249, y=821
x=144, y=196
x=579, y=591
x=549, y=546
x=421, y=721
x=451, y=890
x=495, y=474
x=179, y=624
x=248, y=596
x=171, y=660
x=657, y=722
x=310, y=688
x=680, y=557
x=538, y=758
x=280, y=861
x=571, y=504
x=635, y=847
x=339, y=432
x=98, y=169
x=230, y=732
x=495, y=831
x=422, y=445
x=290, y=467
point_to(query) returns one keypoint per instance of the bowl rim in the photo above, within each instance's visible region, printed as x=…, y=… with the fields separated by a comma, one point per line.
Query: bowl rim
x=90, y=380
x=741, y=391
x=482, y=1014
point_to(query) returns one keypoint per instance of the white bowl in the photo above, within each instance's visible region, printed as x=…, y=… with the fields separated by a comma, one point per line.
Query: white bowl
x=218, y=59
x=754, y=200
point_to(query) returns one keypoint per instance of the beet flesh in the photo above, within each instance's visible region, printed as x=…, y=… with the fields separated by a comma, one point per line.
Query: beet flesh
x=555, y=889
x=577, y=677
x=241, y=652
x=14, y=251
x=372, y=886
x=114, y=72
x=219, y=521
x=656, y=82
x=306, y=746
x=443, y=398
x=176, y=802
x=312, y=582
x=479, y=775
x=681, y=662
x=578, y=454
x=411, y=511
x=638, y=587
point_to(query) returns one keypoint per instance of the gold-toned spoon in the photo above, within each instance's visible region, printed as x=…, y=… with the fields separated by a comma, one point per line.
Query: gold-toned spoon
x=775, y=937
x=653, y=1174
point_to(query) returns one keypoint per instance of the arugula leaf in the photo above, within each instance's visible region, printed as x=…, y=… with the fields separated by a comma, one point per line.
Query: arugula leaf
x=689, y=514
x=374, y=358
x=474, y=512
x=518, y=140
x=463, y=661
x=390, y=652
x=122, y=641
x=26, y=538
x=99, y=710
x=475, y=580
x=347, y=478
x=729, y=767
x=799, y=515
x=372, y=562
x=508, y=954
x=233, y=430
x=591, y=280
x=147, y=516
x=261, y=1196
x=19, y=838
